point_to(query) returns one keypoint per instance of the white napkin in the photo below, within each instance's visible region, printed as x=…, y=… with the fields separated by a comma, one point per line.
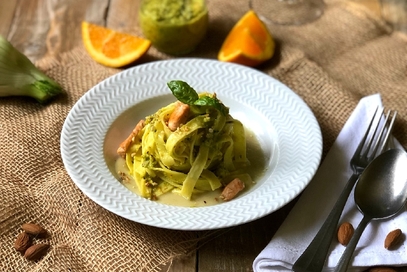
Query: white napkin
x=317, y=200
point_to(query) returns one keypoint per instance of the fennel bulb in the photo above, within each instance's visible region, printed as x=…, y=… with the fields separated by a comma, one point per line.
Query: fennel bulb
x=20, y=77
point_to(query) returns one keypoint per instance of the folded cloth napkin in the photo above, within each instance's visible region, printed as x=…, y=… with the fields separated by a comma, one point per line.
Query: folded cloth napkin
x=317, y=200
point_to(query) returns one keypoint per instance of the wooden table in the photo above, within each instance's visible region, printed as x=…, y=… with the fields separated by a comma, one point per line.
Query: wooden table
x=48, y=28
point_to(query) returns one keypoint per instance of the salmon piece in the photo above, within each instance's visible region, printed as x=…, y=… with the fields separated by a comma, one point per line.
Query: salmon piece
x=178, y=116
x=126, y=143
x=232, y=189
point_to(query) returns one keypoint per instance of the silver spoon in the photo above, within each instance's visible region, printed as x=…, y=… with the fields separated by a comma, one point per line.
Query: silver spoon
x=380, y=193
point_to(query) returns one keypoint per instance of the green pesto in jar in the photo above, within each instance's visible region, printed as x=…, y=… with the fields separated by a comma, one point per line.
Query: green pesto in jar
x=174, y=26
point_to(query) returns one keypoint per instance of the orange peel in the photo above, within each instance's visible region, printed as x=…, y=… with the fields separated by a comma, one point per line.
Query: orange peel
x=249, y=42
x=112, y=48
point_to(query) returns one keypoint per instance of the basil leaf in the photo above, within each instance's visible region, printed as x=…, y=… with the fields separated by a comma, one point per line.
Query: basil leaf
x=187, y=95
x=212, y=102
x=183, y=92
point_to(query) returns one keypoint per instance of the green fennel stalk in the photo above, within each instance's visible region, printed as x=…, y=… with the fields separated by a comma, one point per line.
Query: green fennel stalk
x=20, y=77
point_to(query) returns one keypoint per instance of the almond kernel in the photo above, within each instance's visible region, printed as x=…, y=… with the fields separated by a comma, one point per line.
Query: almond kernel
x=381, y=269
x=34, y=229
x=22, y=242
x=36, y=252
x=392, y=239
x=345, y=233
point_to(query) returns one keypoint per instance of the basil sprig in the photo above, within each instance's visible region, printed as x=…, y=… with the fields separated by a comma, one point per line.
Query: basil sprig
x=187, y=95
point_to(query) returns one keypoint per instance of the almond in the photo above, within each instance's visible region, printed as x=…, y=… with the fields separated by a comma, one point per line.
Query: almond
x=34, y=229
x=381, y=269
x=36, y=252
x=22, y=242
x=345, y=232
x=392, y=239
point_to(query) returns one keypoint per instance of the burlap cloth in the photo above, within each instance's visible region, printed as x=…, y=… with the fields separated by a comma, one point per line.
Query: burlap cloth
x=331, y=64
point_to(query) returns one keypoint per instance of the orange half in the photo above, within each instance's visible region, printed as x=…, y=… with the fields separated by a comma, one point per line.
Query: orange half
x=112, y=48
x=248, y=43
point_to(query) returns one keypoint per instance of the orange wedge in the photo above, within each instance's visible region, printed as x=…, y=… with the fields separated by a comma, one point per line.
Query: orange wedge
x=112, y=48
x=248, y=43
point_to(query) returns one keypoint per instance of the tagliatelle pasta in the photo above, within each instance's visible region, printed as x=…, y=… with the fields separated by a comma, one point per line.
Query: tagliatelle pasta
x=203, y=152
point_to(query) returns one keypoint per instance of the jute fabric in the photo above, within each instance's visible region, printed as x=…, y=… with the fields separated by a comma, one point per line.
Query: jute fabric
x=331, y=63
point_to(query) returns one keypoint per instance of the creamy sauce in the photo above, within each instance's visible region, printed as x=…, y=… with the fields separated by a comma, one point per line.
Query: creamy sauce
x=173, y=26
x=255, y=170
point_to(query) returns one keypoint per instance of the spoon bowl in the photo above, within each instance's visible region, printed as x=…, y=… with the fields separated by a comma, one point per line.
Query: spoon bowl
x=380, y=193
x=382, y=188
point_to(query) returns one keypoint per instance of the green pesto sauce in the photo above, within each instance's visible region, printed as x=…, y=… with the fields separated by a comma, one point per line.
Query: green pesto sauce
x=174, y=26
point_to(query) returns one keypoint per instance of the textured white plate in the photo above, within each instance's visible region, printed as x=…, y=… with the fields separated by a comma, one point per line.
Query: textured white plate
x=283, y=124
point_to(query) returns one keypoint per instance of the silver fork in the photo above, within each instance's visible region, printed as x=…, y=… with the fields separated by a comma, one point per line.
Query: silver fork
x=313, y=258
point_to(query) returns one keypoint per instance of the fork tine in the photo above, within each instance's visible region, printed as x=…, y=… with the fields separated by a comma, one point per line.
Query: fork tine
x=380, y=135
x=389, y=131
x=381, y=141
x=362, y=142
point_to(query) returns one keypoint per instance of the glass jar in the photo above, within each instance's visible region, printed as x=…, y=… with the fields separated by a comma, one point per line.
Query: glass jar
x=174, y=27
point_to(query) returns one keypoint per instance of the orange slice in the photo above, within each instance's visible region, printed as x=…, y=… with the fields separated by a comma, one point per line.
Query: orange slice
x=112, y=48
x=248, y=43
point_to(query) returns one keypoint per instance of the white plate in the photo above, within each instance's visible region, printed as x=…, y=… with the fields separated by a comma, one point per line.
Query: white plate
x=287, y=130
